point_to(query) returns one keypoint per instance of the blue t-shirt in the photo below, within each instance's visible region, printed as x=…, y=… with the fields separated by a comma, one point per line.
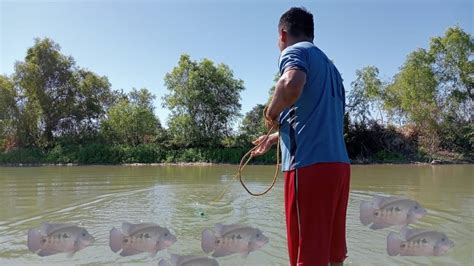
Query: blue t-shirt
x=311, y=131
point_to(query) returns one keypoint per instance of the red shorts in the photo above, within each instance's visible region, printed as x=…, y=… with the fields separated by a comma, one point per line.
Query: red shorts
x=316, y=199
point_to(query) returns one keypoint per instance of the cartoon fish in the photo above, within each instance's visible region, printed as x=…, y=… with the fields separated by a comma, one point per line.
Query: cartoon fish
x=138, y=238
x=384, y=212
x=58, y=238
x=229, y=239
x=418, y=242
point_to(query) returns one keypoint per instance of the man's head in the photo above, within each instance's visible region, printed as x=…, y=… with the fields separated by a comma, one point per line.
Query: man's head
x=295, y=25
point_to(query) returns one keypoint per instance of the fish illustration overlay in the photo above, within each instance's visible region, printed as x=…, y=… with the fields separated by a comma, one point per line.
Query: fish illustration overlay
x=418, y=242
x=139, y=238
x=226, y=240
x=54, y=238
x=382, y=212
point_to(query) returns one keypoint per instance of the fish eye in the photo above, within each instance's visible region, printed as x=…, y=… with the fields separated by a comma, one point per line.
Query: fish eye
x=416, y=207
x=83, y=233
x=443, y=239
x=166, y=234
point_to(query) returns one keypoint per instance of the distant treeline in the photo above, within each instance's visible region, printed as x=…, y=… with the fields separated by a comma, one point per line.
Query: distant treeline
x=53, y=111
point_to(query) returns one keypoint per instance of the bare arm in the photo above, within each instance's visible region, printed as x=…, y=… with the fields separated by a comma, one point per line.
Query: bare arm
x=287, y=91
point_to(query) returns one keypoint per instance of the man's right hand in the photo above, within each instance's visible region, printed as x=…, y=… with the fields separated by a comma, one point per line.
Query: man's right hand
x=264, y=144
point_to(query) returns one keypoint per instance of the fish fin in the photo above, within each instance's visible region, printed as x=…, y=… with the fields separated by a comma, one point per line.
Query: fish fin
x=221, y=252
x=366, y=212
x=408, y=234
x=222, y=229
x=129, y=229
x=245, y=254
x=129, y=252
x=163, y=262
x=393, y=200
x=71, y=254
x=115, y=239
x=378, y=200
x=153, y=253
x=208, y=240
x=47, y=252
x=48, y=228
x=405, y=232
x=34, y=240
x=218, y=228
x=377, y=226
x=393, y=244
x=45, y=227
x=174, y=259
x=76, y=245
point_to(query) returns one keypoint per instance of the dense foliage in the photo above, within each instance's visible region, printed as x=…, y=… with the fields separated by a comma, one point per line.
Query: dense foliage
x=53, y=111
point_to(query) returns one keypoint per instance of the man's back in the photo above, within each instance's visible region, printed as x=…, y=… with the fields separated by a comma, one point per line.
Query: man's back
x=312, y=129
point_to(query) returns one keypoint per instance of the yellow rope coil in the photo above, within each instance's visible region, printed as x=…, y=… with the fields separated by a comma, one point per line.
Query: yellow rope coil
x=244, y=161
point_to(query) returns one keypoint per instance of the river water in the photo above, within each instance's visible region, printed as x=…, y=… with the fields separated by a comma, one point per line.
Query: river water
x=180, y=198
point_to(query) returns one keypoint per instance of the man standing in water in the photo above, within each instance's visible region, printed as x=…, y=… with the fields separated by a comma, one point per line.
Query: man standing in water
x=308, y=106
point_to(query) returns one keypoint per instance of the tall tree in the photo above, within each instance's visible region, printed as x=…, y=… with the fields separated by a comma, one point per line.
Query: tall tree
x=63, y=96
x=366, y=95
x=92, y=100
x=131, y=120
x=204, y=101
x=8, y=112
x=453, y=66
x=47, y=78
x=252, y=125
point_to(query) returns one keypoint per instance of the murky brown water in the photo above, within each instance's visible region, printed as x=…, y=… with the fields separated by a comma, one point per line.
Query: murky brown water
x=100, y=197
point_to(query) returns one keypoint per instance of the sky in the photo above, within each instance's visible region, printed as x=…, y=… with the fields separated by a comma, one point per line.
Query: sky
x=135, y=43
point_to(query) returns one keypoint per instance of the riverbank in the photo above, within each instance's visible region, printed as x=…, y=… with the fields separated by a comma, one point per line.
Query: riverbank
x=102, y=154
x=205, y=164
x=154, y=155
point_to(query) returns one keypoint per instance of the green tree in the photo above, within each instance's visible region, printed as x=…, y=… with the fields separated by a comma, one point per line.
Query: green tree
x=131, y=120
x=454, y=71
x=413, y=95
x=434, y=90
x=92, y=100
x=19, y=116
x=252, y=125
x=453, y=66
x=65, y=98
x=366, y=95
x=204, y=102
x=8, y=112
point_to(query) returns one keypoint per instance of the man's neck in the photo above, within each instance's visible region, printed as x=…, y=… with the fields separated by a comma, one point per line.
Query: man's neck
x=292, y=42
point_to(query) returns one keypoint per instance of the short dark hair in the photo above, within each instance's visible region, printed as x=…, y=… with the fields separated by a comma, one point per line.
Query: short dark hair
x=297, y=22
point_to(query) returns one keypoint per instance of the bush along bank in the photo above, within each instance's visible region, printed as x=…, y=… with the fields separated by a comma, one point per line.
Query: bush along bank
x=123, y=154
x=106, y=154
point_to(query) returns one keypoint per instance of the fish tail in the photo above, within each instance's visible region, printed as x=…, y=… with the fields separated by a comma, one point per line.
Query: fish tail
x=366, y=212
x=115, y=240
x=174, y=259
x=393, y=244
x=208, y=241
x=34, y=240
x=163, y=262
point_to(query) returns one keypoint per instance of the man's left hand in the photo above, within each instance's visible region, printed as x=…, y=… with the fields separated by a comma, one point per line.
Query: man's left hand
x=271, y=123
